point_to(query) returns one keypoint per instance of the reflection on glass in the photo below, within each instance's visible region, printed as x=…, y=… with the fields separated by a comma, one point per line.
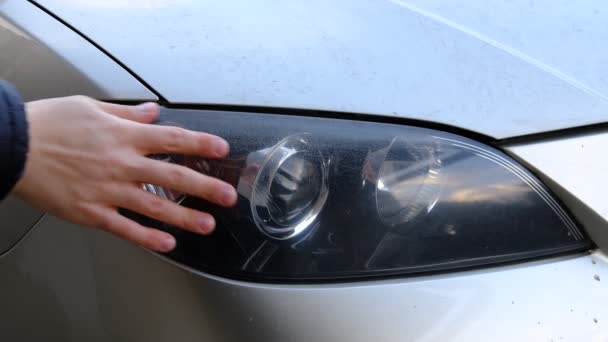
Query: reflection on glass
x=409, y=182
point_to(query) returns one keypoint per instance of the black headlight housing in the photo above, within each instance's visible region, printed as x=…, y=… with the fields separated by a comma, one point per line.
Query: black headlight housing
x=325, y=199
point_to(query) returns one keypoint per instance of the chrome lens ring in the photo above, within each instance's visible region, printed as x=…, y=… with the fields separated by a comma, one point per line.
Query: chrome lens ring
x=290, y=188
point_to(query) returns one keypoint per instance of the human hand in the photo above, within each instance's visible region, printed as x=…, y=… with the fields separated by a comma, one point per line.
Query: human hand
x=87, y=159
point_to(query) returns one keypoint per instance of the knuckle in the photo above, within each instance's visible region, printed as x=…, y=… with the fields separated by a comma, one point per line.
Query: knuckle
x=132, y=164
x=213, y=187
x=117, y=128
x=151, y=241
x=183, y=219
x=174, y=139
x=84, y=209
x=129, y=230
x=117, y=164
x=81, y=99
x=176, y=176
x=204, y=189
x=155, y=207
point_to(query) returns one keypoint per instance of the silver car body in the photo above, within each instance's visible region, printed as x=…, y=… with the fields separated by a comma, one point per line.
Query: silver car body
x=499, y=69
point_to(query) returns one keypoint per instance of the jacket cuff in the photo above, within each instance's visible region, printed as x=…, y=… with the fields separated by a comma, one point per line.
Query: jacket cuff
x=14, y=138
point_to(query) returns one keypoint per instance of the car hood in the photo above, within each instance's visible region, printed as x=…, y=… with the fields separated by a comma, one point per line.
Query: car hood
x=502, y=69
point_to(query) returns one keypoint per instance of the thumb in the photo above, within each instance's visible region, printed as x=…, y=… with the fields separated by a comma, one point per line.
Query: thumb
x=144, y=113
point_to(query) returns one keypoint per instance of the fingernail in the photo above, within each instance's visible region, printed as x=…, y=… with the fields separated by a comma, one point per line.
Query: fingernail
x=146, y=108
x=220, y=146
x=228, y=196
x=167, y=243
x=206, y=224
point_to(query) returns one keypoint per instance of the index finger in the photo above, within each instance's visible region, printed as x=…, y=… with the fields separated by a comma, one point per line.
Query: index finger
x=151, y=139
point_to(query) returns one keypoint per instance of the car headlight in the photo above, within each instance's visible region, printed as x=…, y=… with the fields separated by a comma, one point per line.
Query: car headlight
x=326, y=198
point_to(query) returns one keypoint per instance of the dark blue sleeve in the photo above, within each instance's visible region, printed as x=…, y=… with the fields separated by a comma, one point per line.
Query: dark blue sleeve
x=14, y=137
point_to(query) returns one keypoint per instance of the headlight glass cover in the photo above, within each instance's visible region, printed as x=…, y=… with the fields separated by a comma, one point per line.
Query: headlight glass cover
x=323, y=199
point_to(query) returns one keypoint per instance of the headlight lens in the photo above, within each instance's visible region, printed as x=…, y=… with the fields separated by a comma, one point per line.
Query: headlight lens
x=327, y=199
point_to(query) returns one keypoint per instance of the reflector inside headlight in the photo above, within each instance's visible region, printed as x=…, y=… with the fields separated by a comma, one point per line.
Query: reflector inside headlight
x=326, y=198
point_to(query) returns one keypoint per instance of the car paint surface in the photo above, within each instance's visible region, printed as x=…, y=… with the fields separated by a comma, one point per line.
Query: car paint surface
x=75, y=284
x=17, y=218
x=502, y=69
x=43, y=58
